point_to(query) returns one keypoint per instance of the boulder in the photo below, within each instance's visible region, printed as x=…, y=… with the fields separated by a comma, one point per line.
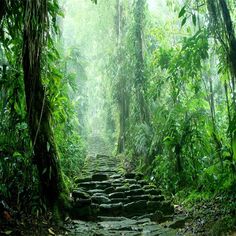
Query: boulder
x=82, y=202
x=131, y=181
x=139, y=176
x=153, y=191
x=135, y=192
x=114, y=209
x=135, y=186
x=167, y=208
x=88, y=185
x=103, y=185
x=148, y=186
x=143, y=182
x=88, y=179
x=99, y=177
x=100, y=199
x=135, y=208
x=122, y=189
x=109, y=190
x=153, y=206
x=116, y=176
x=138, y=197
x=117, y=195
x=117, y=200
x=130, y=175
x=94, y=191
x=157, y=198
x=80, y=194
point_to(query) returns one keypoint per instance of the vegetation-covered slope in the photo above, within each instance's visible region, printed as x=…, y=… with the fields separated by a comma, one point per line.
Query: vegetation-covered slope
x=153, y=79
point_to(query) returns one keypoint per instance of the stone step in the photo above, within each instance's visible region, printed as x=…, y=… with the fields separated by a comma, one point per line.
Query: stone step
x=104, y=192
x=115, y=209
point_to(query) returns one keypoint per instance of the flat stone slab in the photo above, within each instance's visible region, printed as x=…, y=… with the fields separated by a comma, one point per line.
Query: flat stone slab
x=115, y=176
x=117, y=195
x=135, y=192
x=100, y=199
x=109, y=189
x=80, y=194
x=130, y=175
x=117, y=200
x=139, y=197
x=82, y=202
x=114, y=209
x=88, y=185
x=99, y=177
x=153, y=191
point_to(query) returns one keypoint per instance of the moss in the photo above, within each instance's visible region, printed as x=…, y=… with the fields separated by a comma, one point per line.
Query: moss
x=221, y=226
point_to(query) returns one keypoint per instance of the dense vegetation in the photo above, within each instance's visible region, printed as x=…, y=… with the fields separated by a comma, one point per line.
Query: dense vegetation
x=154, y=79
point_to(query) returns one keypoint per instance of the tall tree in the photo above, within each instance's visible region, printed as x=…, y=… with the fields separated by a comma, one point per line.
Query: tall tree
x=139, y=21
x=222, y=26
x=33, y=17
x=36, y=28
x=122, y=86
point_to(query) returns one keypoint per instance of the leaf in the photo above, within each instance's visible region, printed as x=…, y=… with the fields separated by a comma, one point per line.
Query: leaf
x=8, y=232
x=182, y=11
x=183, y=21
x=50, y=231
x=48, y=146
x=194, y=19
x=44, y=171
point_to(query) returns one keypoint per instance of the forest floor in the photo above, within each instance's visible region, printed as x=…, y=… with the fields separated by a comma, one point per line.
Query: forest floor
x=128, y=216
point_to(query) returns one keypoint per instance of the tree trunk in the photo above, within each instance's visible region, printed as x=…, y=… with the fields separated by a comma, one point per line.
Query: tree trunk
x=139, y=67
x=44, y=147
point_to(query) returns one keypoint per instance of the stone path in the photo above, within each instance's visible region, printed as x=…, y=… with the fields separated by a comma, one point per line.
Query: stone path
x=107, y=202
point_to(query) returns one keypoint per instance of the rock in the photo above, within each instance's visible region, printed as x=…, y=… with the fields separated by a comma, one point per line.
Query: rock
x=149, y=186
x=131, y=181
x=88, y=179
x=139, y=176
x=143, y=182
x=130, y=175
x=81, y=212
x=94, y=191
x=157, y=198
x=117, y=200
x=153, y=191
x=88, y=185
x=116, y=176
x=166, y=218
x=103, y=185
x=167, y=208
x=122, y=189
x=114, y=209
x=178, y=223
x=109, y=190
x=135, y=192
x=100, y=199
x=117, y=184
x=135, y=208
x=99, y=177
x=135, y=186
x=95, y=209
x=117, y=195
x=82, y=202
x=101, y=156
x=125, y=226
x=153, y=206
x=111, y=218
x=80, y=194
x=138, y=197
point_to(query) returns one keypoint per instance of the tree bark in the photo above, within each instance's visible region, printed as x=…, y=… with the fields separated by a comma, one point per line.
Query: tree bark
x=44, y=147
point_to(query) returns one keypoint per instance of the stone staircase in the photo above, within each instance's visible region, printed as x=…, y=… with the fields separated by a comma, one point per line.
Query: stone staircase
x=105, y=195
